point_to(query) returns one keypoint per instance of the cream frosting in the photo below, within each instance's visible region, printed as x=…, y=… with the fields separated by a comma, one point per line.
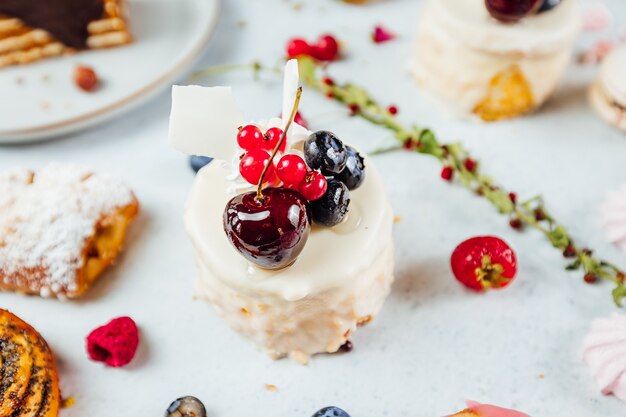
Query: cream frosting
x=604, y=351
x=543, y=33
x=613, y=214
x=613, y=75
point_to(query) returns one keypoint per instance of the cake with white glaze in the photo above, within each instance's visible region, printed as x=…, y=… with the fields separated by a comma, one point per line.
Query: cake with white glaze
x=342, y=274
x=608, y=93
x=478, y=65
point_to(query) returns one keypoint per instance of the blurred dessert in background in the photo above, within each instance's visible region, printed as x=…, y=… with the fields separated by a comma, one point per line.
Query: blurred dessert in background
x=494, y=59
x=60, y=228
x=608, y=93
x=34, y=29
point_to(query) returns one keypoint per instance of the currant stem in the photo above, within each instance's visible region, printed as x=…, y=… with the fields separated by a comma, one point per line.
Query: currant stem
x=294, y=110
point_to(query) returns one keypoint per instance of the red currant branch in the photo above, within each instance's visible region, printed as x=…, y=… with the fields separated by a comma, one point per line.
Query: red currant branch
x=458, y=163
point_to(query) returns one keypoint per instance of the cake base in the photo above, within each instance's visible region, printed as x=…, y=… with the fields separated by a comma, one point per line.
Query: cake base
x=318, y=323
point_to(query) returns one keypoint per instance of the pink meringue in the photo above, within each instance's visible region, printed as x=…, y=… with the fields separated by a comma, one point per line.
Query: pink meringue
x=614, y=217
x=486, y=410
x=604, y=351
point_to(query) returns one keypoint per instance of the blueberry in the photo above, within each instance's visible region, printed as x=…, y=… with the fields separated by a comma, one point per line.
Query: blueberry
x=549, y=5
x=353, y=174
x=186, y=407
x=331, y=412
x=323, y=151
x=197, y=162
x=331, y=209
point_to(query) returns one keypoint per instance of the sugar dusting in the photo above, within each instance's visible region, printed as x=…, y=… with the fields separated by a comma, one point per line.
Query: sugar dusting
x=46, y=219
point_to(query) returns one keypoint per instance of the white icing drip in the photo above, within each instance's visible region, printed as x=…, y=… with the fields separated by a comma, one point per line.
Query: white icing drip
x=45, y=224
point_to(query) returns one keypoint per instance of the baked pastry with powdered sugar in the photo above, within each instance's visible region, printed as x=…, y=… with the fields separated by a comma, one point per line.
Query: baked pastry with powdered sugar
x=60, y=228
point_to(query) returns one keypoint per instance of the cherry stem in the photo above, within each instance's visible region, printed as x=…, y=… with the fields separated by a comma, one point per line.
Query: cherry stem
x=294, y=110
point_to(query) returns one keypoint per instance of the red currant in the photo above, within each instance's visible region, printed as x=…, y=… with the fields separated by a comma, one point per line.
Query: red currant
x=298, y=47
x=250, y=137
x=326, y=48
x=252, y=164
x=393, y=110
x=470, y=164
x=447, y=173
x=272, y=137
x=313, y=186
x=291, y=169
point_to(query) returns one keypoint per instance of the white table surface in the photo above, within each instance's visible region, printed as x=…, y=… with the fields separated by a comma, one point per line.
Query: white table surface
x=434, y=344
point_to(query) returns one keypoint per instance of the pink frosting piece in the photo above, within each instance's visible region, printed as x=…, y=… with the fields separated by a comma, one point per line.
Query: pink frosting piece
x=487, y=410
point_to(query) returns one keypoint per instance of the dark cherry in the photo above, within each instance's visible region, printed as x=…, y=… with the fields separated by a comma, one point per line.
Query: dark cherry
x=270, y=233
x=549, y=5
x=332, y=208
x=511, y=10
x=353, y=174
x=324, y=151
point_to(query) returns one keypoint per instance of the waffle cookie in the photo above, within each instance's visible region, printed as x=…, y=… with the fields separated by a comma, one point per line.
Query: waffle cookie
x=29, y=384
x=34, y=29
x=60, y=228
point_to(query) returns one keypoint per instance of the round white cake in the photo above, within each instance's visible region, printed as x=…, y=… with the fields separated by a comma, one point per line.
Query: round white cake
x=493, y=70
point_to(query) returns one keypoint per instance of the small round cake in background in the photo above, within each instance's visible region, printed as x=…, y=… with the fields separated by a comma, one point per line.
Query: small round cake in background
x=608, y=93
x=480, y=63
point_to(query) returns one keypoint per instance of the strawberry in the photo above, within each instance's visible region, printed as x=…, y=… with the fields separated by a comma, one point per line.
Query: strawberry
x=484, y=262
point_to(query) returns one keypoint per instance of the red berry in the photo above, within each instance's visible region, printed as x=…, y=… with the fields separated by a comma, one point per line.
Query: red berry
x=252, y=164
x=354, y=108
x=570, y=251
x=328, y=81
x=298, y=47
x=513, y=197
x=271, y=139
x=381, y=35
x=393, y=110
x=469, y=164
x=484, y=262
x=115, y=343
x=313, y=186
x=447, y=173
x=249, y=137
x=516, y=223
x=590, y=278
x=291, y=169
x=326, y=48
x=301, y=120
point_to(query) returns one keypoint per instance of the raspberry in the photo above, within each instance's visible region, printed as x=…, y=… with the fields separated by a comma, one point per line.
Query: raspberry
x=115, y=343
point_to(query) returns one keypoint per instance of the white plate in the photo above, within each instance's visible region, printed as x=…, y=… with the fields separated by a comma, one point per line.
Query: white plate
x=41, y=101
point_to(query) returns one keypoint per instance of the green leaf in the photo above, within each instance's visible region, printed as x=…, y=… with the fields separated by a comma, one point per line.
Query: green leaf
x=429, y=144
x=559, y=237
x=306, y=70
x=619, y=293
x=574, y=265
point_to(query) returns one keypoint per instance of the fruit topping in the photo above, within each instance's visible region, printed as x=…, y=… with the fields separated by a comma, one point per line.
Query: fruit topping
x=326, y=48
x=323, y=151
x=291, y=169
x=272, y=137
x=85, y=78
x=298, y=47
x=115, y=343
x=332, y=207
x=270, y=232
x=250, y=137
x=314, y=186
x=484, y=262
x=331, y=412
x=510, y=11
x=187, y=406
x=353, y=174
x=299, y=119
x=198, y=162
x=548, y=5
x=253, y=163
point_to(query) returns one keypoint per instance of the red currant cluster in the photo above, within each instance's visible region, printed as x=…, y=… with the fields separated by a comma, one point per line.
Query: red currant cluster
x=325, y=49
x=291, y=169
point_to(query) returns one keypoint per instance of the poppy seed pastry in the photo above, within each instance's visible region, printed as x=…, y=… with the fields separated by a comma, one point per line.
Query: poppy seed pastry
x=60, y=228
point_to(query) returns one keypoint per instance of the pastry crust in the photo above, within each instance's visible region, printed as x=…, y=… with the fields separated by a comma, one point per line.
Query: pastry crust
x=21, y=44
x=29, y=384
x=60, y=229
